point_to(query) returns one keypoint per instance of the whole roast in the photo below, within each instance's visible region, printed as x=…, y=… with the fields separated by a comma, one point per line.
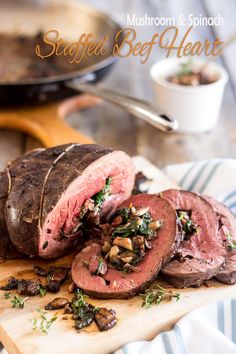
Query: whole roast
x=46, y=191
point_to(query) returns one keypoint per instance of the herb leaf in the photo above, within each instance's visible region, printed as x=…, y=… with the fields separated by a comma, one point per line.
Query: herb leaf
x=157, y=295
x=79, y=301
x=83, y=312
x=7, y=295
x=42, y=291
x=43, y=323
x=18, y=302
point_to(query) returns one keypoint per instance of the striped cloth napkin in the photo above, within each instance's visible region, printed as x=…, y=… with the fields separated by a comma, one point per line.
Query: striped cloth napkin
x=215, y=177
x=208, y=330
x=211, y=329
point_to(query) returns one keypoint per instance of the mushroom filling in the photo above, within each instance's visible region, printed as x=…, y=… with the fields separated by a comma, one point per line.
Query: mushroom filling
x=90, y=211
x=188, y=75
x=131, y=234
x=186, y=226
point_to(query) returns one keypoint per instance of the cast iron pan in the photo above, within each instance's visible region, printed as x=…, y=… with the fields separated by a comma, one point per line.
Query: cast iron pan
x=70, y=19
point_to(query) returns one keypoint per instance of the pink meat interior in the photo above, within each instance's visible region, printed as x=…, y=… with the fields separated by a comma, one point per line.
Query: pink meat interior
x=115, y=281
x=116, y=165
x=205, y=242
x=227, y=218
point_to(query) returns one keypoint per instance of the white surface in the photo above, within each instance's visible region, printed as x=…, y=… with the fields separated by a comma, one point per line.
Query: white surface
x=195, y=108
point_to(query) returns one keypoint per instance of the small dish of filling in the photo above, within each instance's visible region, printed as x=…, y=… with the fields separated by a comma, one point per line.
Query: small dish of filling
x=190, y=91
x=192, y=75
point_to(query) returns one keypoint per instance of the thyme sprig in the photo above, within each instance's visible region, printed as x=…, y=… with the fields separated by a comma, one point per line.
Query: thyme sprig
x=156, y=295
x=83, y=312
x=42, y=291
x=80, y=300
x=18, y=302
x=42, y=323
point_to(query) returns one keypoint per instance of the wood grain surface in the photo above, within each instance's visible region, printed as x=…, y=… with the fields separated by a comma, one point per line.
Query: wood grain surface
x=134, y=321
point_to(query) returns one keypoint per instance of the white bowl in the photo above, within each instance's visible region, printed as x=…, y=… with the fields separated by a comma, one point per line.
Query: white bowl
x=196, y=108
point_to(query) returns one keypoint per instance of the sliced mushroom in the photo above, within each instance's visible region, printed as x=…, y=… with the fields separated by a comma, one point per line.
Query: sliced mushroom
x=72, y=287
x=106, y=247
x=114, y=251
x=133, y=210
x=148, y=244
x=138, y=242
x=139, y=221
x=156, y=225
x=116, y=261
x=123, y=242
x=131, y=268
x=68, y=309
x=57, y=303
x=127, y=256
x=141, y=212
x=126, y=259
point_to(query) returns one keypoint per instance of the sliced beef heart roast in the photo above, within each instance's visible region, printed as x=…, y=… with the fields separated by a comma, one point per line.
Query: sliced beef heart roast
x=52, y=192
x=227, y=273
x=201, y=253
x=144, y=236
x=7, y=250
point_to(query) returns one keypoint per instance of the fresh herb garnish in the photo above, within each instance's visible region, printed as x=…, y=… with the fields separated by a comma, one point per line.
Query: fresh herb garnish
x=79, y=301
x=231, y=243
x=157, y=295
x=7, y=295
x=18, y=301
x=186, y=67
x=100, y=197
x=42, y=291
x=43, y=323
x=83, y=312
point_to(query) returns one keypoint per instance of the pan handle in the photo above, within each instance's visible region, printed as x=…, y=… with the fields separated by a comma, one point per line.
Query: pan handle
x=135, y=106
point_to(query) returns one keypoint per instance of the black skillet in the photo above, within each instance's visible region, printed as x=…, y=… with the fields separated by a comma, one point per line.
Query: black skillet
x=70, y=18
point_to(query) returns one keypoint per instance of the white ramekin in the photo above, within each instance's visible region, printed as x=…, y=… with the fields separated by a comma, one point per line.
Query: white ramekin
x=196, y=108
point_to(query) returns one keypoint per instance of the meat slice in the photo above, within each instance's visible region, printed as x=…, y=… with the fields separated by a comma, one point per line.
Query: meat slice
x=200, y=255
x=116, y=283
x=227, y=273
x=48, y=189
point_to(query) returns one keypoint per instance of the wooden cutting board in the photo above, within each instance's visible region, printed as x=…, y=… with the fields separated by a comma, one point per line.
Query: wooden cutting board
x=134, y=321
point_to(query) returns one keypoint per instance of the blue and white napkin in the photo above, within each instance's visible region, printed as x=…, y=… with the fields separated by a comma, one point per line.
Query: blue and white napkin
x=215, y=177
x=208, y=330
